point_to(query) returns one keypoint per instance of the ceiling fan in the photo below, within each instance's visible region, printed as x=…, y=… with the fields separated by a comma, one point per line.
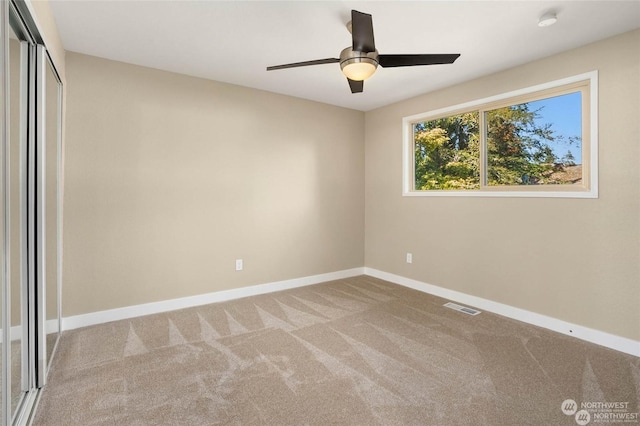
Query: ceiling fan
x=359, y=61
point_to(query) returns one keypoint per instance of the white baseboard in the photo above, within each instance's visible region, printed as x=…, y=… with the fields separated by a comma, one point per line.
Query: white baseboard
x=15, y=332
x=77, y=321
x=608, y=340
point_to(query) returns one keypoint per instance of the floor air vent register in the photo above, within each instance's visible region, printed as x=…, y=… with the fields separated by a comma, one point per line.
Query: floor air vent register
x=464, y=309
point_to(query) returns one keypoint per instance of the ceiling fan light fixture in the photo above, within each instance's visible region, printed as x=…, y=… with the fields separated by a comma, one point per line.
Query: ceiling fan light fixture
x=358, y=66
x=359, y=70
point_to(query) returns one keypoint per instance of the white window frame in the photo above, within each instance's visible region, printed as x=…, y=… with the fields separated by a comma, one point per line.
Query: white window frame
x=589, y=190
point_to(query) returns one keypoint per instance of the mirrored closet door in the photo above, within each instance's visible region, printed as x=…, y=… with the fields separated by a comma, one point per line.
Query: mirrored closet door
x=20, y=46
x=30, y=222
x=47, y=209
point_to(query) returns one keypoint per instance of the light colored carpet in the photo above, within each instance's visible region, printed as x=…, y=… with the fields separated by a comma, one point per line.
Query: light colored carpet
x=358, y=351
x=15, y=370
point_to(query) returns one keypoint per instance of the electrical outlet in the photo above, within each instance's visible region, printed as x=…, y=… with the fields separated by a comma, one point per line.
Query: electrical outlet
x=239, y=265
x=409, y=258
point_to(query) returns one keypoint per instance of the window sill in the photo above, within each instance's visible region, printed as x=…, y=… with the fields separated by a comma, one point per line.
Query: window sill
x=504, y=193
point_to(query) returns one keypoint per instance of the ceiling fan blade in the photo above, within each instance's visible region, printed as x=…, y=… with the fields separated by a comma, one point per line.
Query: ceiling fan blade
x=304, y=64
x=356, y=86
x=362, y=32
x=411, y=60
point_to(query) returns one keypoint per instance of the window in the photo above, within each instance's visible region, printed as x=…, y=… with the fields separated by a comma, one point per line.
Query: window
x=535, y=142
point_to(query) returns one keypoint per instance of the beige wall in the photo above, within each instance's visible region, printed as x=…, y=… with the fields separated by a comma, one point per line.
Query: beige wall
x=169, y=179
x=573, y=259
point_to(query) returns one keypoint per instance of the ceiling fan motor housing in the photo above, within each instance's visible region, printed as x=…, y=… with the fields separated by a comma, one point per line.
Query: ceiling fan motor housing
x=358, y=66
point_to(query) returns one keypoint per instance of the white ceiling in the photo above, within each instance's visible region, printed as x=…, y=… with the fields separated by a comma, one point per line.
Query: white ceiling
x=234, y=41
